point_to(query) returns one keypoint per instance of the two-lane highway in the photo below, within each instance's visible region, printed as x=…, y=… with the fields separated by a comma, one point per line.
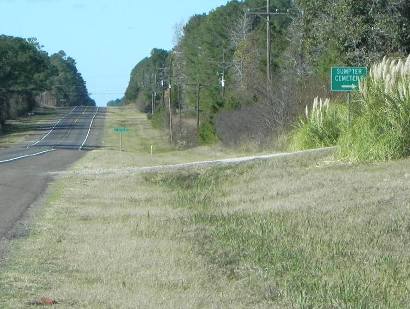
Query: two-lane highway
x=24, y=169
x=71, y=131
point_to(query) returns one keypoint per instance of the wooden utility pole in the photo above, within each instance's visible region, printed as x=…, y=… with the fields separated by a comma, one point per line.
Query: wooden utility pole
x=163, y=93
x=268, y=45
x=169, y=102
x=179, y=104
x=223, y=74
x=154, y=93
x=152, y=103
x=170, y=114
x=198, y=94
x=268, y=15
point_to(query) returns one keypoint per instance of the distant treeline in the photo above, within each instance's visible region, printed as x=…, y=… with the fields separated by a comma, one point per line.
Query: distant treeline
x=29, y=76
x=116, y=102
x=227, y=47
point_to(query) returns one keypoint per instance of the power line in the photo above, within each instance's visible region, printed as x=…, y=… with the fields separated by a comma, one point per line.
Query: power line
x=268, y=13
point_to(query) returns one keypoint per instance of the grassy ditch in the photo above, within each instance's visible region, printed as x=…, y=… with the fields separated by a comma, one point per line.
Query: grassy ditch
x=300, y=235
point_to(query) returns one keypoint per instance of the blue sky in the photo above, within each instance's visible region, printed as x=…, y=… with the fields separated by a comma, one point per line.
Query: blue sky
x=107, y=38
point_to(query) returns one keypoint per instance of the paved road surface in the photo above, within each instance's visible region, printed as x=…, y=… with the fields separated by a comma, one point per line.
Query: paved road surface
x=24, y=169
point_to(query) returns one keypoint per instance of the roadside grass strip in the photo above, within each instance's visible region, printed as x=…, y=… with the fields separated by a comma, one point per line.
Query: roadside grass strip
x=17, y=131
x=302, y=234
x=297, y=232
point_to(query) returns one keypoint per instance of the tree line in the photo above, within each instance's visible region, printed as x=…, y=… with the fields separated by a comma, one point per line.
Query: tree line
x=221, y=58
x=29, y=76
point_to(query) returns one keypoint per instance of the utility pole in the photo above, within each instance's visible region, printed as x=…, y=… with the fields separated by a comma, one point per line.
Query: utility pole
x=152, y=103
x=163, y=72
x=163, y=92
x=154, y=93
x=268, y=15
x=268, y=44
x=179, y=104
x=223, y=74
x=169, y=103
x=198, y=95
x=198, y=86
x=170, y=114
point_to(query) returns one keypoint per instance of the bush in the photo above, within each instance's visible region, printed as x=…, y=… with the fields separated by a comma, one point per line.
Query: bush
x=207, y=134
x=159, y=118
x=321, y=127
x=380, y=128
x=381, y=115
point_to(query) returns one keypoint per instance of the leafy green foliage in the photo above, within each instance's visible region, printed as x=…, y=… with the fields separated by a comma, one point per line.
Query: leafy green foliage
x=381, y=115
x=26, y=71
x=68, y=86
x=117, y=102
x=380, y=112
x=147, y=75
x=24, y=67
x=359, y=31
x=207, y=133
x=307, y=40
x=158, y=119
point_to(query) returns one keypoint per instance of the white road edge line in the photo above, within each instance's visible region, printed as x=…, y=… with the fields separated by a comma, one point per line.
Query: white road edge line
x=52, y=129
x=27, y=156
x=89, y=130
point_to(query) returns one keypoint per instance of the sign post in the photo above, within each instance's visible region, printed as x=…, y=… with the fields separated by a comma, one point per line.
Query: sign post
x=347, y=79
x=121, y=131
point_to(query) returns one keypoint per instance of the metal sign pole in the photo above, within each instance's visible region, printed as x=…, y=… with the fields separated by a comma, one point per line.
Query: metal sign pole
x=349, y=109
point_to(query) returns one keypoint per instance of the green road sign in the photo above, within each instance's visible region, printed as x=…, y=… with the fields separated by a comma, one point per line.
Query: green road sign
x=121, y=130
x=346, y=79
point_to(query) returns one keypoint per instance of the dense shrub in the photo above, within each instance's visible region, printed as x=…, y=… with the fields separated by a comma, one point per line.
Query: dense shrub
x=380, y=126
x=381, y=114
x=207, y=134
x=159, y=118
x=321, y=126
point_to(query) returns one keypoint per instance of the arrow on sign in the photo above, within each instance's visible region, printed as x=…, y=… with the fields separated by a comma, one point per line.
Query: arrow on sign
x=349, y=86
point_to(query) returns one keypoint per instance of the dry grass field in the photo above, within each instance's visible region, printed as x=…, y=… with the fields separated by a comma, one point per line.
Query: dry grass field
x=300, y=232
x=25, y=129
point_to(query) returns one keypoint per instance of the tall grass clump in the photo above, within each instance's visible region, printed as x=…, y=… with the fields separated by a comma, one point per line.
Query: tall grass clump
x=380, y=128
x=321, y=126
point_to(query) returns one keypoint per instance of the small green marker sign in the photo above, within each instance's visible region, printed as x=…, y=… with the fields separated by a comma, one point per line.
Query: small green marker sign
x=121, y=130
x=347, y=79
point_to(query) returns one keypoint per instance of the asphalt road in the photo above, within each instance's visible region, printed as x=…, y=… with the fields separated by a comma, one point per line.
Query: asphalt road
x=24, y=169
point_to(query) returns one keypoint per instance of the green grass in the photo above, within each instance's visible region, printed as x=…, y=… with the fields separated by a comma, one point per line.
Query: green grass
x=345, y=246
